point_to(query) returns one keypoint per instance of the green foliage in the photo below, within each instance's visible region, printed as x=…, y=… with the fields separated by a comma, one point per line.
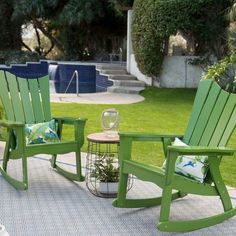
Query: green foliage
x=232, y=29
x=232, y=13
x=8, y=57
x=155, y=20
x=10, y=37
x=224, y=73
x=105, y=170
x=76, y=27
x=123, y=4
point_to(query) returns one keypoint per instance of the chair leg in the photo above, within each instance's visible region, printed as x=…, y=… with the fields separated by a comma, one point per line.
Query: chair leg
x=53, y=160
x=165, y=203
x=25, y=171
x=122, y=202
x=68, y=174
x=188, y=225
x=5, y=160
x=6, y=155
x=20, y=185
x=78, y=166
x=219, y=183
x=122, y=189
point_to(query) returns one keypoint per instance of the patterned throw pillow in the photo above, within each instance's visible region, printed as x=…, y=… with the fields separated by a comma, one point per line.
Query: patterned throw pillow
x=41, y=133
x=194, y=167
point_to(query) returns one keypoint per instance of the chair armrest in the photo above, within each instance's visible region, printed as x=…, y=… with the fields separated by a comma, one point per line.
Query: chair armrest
x=202, y=150
x=69, y=120
x=79, y=125
x=148, y=137
x=11, y=124
x=126, y=140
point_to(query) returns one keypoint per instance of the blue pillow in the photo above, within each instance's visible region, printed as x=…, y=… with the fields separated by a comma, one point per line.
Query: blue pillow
x=191, y=166
x=41, y=133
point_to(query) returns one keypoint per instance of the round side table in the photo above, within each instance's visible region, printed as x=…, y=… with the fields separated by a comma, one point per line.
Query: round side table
x=102, y=167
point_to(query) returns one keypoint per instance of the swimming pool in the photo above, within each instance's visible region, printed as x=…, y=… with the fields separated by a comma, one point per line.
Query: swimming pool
x=60, y=73
x=90, y=79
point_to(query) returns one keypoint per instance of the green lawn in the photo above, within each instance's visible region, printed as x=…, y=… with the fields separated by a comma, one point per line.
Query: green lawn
x=163, y=111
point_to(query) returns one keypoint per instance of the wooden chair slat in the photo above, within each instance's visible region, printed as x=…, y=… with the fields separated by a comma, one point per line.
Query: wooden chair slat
x=36, y=100
x=5, y=97
x=222, y=123
x=229, y=130
x=26, y=100
x=44, y=90
x=15, y=97
x=201, y=96
x=214, y=118
x=206, y=110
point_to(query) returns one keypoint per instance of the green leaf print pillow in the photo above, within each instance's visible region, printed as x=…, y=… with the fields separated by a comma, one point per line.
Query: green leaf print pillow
x=41, y=133
x=194, y=167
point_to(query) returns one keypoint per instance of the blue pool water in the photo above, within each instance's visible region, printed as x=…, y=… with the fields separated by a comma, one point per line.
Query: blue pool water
x=62, y=75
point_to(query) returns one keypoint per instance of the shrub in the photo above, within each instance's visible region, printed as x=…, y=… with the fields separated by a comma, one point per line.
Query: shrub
x=123, y=4
x=155, y=20
x=223, y=72
x=17, y=57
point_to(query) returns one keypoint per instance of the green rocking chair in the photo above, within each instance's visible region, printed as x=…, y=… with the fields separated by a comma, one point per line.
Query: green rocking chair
x=26, y=104
x=210, y=126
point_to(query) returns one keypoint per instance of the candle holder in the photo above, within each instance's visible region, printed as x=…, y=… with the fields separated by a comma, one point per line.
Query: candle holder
x=110, y=122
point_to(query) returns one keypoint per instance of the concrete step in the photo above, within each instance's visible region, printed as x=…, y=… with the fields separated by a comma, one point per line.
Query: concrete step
x=110, y=66
x=122, y=77
x=129, y=83
x=122, y=89
x=119, y=71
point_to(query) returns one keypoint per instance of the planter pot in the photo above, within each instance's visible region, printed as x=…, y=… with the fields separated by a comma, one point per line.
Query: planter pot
x=3, y=231
x=108, y=187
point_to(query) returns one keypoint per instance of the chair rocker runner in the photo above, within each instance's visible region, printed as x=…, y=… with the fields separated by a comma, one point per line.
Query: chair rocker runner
x=210, y=126
x=27, y=106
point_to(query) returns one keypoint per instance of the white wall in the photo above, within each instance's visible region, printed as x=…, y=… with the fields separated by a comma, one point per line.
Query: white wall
x=131, y=65
x=134, y=70
x=178, y=73
x=129, y=41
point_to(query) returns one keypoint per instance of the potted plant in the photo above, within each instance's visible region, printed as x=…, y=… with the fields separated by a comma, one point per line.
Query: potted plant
x=106, y=172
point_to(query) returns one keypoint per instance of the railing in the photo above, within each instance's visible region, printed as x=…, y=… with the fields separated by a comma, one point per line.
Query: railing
x=76, y=76
x=115, y=56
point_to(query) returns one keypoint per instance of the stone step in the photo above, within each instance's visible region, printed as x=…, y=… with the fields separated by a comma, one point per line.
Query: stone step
x=128, y=90
x=129, y=83
x=122, y=77
x=110, y=66
x=113, y=71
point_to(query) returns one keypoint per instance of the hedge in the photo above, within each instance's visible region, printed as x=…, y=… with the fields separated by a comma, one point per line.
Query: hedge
x=155, y=20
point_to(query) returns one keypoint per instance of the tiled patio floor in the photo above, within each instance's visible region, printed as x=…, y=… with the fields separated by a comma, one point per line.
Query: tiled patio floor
x=56, y=206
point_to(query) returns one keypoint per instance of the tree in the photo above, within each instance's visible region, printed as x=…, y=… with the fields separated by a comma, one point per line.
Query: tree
x=74, y=26
x=10, y=37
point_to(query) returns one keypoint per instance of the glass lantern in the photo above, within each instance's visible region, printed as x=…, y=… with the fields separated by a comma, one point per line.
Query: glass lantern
x=110, y=122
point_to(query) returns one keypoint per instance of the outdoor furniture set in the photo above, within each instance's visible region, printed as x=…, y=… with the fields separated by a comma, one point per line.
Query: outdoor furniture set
x=192, y=160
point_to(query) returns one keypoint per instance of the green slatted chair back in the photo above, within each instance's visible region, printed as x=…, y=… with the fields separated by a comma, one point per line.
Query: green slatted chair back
x=213, y=116
x=25, y=100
